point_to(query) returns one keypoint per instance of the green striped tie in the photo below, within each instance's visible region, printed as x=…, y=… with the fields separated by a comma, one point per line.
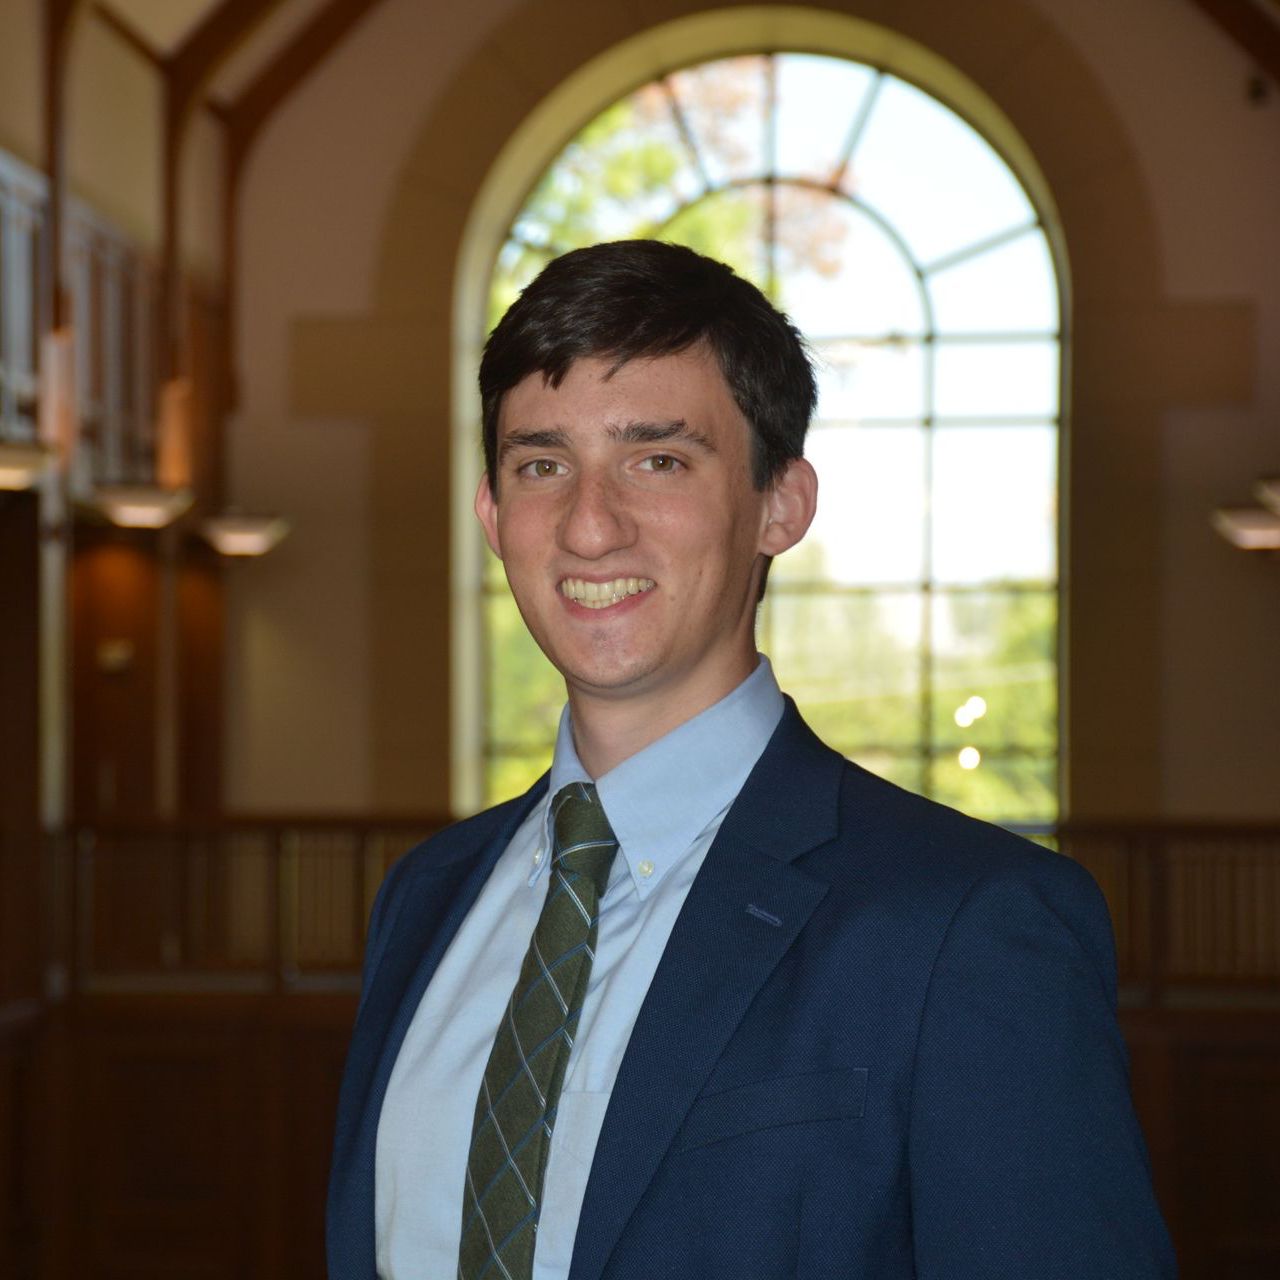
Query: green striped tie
x=516, y=1109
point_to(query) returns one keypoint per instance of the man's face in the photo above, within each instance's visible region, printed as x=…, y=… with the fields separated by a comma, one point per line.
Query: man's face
x=629, y=528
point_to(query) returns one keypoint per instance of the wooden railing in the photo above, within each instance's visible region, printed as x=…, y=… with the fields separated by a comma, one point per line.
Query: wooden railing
x=1194, y=906
x=281, y=905
x=247, y=905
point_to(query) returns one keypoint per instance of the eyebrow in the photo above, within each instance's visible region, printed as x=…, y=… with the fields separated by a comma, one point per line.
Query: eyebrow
x=635, y=432
x=660, y=433
x=550, y=439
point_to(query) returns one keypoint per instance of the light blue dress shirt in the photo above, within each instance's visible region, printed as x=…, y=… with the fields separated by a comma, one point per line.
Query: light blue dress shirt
x=665, y=804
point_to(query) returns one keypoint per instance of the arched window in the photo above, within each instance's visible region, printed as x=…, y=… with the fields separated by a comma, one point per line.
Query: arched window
x=916, y=626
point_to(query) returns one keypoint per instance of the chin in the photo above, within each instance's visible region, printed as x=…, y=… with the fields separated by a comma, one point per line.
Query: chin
x=605, y=677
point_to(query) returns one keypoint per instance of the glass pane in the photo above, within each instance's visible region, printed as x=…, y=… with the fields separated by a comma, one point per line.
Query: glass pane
x=937, y=181
x=871, y=507
x=996, y=379
x=818, y=101
x=995, y=504
x=655, y=169
x=513, y=775
x=1009, y=789
x=724, y=106
x=852, y=663
x=902, y=770
x=495, y=577
x=995, y=670
x=1009, y=289
x=862, y=380
x=525, y=691
x=728, y=225
x=843, y=276
x=516, y=266
x=628, y=168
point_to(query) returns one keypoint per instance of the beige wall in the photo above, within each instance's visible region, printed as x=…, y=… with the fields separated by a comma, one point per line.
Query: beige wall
x=21, y=103
x=314, y=734
x=350, y=220
x=115, y=103
x=1211, y=160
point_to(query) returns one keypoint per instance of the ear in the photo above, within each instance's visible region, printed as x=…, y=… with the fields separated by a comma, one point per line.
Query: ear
x=487, y=514
x=791, y=502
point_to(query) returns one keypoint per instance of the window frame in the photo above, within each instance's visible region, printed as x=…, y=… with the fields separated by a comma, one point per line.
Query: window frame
x=535, y=145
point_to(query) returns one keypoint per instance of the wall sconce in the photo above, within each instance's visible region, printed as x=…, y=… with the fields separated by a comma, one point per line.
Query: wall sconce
x=1249, y=528
x=238, y=535
x=140, y=506
x=22, y=465
x=1253, y=528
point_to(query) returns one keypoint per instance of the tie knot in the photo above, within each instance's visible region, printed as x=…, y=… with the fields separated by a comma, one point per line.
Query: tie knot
x=584, y=840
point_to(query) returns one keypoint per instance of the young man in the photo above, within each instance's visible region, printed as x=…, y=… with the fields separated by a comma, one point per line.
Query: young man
x=711, y=1001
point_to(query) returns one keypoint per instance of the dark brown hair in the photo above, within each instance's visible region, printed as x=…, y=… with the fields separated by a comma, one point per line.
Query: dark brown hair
x=643, y=298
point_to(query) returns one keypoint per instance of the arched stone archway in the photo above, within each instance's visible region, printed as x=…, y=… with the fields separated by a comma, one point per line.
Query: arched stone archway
x=1125, y=349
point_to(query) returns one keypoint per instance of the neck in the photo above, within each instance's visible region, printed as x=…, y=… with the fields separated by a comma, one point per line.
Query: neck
x=609, y=729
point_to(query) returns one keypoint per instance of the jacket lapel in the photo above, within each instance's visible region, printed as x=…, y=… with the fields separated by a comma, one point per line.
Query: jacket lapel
x=744, y=910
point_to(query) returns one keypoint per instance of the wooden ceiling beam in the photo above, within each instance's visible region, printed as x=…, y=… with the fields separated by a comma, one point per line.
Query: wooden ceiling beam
x=60, y=17
x=188, y=72
x=191, y=66
x=289, y=68
x=1252, y=27
x=128, y=33
x=257, y=102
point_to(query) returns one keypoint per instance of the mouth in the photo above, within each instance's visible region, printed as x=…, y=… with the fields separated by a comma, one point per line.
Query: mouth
x=602, y=595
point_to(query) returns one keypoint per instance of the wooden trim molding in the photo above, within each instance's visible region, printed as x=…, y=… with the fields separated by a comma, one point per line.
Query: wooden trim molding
x=188, y=71
x=244, y=120
x=60, y=17
x=129, y=34
x=290, y=67
x=1249, y=25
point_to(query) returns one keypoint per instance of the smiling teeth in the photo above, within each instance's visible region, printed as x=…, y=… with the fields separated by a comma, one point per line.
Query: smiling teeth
x=600, y=595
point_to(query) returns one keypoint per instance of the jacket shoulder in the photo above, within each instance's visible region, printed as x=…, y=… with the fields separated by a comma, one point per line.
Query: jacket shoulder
x=936, y=855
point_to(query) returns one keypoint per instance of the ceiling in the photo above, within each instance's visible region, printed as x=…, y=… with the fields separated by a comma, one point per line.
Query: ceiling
x=162, y=26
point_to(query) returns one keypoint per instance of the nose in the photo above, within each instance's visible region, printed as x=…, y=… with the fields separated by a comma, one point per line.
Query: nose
x=595, y=520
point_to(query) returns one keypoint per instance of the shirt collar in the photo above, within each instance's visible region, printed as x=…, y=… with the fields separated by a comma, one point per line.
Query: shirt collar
x=702, y=763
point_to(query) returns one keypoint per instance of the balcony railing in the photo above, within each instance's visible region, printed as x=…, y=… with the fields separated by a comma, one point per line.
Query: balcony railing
x=234, y=906
x=282, y=905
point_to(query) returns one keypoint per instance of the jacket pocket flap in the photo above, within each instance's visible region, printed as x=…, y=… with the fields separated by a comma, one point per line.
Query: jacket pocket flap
x=768, y=1104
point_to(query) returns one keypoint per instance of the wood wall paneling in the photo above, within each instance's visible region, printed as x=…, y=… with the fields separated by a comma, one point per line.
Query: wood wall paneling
x=202, y=1134
x=19, y=746
x=164, y=1146
x=20, y=1167
x=1227, y=1192
x=1206, y=1085
x=22, y=938
x=313, y=1062
x=115, y=591
x=201, y=610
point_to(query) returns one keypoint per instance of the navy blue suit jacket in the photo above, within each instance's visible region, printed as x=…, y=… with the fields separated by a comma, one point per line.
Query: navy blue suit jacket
x=880, y=1045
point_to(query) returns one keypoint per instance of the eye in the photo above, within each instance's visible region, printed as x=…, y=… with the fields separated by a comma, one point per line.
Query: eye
x=663, y=462
x=542, y=468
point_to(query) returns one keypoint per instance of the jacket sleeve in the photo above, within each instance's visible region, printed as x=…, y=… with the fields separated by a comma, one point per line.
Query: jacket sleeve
x=1026, y=1155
